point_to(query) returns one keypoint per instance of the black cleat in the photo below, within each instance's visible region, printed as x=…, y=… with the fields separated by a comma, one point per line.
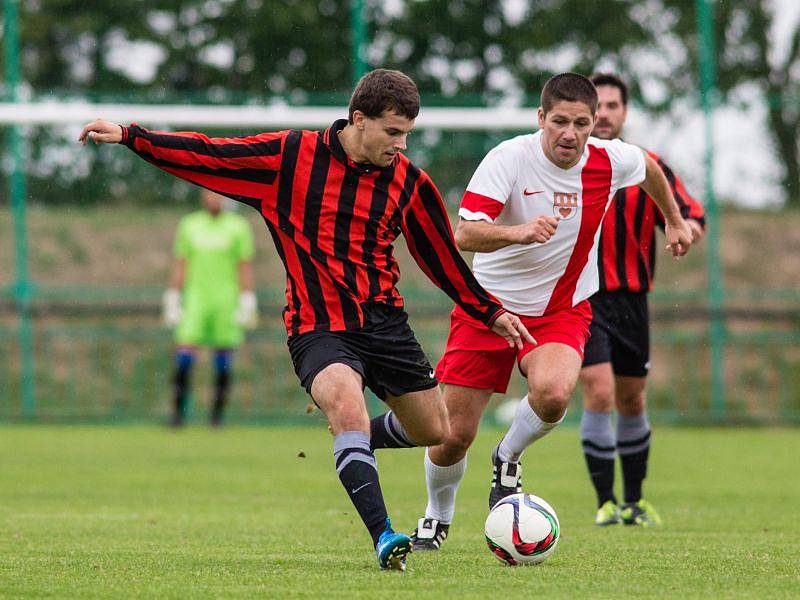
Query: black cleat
x=506, y=479
x=429, y=534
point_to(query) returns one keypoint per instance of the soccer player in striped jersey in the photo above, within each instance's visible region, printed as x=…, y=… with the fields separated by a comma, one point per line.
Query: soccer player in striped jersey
x=334, y=201
x=532, y=214
x=617, y=355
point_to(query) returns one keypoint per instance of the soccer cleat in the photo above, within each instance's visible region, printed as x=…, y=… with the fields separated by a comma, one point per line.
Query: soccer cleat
x=506, y=479
x=607, y=514
x=640, y=513
x=429, y=534
x=392, y=549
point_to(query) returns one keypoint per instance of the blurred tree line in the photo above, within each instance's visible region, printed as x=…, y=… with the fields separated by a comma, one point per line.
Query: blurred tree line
x=299, y=51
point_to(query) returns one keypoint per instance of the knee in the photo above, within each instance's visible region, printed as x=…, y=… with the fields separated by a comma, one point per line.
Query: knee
x=454, y=447
x=338, y=393
x=460, y=440
x=598, y=396
x=632, y=405
x=549, y=399
x=437, y=432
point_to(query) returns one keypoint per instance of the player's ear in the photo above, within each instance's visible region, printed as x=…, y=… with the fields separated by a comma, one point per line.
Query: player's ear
x=540, y=115
x=359, y=120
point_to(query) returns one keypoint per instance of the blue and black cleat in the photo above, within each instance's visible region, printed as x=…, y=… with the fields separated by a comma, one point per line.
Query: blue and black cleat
x=392, y=549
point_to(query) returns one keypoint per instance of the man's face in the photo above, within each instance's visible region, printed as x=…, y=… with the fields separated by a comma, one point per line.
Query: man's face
x=611, y=113
x=382, y=137
x=565, y=129
x=212, y=202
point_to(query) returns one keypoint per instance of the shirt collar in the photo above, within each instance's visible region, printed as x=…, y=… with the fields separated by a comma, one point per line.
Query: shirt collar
x=331, y=139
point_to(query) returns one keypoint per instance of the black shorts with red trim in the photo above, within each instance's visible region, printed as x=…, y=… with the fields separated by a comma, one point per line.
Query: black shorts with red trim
x=384, y=352
x=619, y=333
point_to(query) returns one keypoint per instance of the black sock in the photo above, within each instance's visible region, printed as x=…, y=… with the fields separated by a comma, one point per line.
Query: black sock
x=599, y=445
x=181, y=380
x=633, y=447
x=358, y=473
x=634, y=471
x=601, y=471
x=222, y=383
x=387, y=432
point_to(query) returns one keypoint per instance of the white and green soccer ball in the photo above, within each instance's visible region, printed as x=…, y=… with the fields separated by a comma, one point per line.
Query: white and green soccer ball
x=522, y=529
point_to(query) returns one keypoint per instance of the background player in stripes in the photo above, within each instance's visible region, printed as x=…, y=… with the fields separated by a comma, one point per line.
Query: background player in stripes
x=532, y=214
x=617, y=356
x=335, y=201
x=211, y=297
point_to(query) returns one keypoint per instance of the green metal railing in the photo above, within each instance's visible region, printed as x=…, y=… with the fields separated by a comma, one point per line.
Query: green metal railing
x=358, y=42
x=22, y=282
x=708, y=91
x=120, y=371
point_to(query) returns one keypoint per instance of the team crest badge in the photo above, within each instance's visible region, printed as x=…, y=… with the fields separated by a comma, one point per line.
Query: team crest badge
x=565, y=204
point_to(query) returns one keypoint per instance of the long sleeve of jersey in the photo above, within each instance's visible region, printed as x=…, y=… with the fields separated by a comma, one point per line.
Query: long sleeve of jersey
x=243, y=169
x=429, y=235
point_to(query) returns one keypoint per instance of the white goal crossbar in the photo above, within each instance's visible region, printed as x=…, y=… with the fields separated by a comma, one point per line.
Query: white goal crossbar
x=266, y=117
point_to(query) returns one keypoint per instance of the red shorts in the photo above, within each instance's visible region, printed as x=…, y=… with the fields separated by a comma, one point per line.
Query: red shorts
x=478, y=358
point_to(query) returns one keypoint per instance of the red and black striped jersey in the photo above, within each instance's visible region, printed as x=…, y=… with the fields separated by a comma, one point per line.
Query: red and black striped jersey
x=627, y=251
x=333, y=221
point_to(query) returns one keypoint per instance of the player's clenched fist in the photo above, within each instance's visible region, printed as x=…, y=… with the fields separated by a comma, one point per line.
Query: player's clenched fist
x=538, y=230
x=679, y=237
x=101, y=131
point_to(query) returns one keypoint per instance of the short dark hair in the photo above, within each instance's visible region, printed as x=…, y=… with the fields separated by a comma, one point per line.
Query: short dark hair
x=384, y=89
x=569, y=87
x=599, y=79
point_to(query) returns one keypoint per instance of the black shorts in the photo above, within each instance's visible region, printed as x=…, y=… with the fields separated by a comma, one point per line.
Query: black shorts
x=619, y=333
x=384, y=352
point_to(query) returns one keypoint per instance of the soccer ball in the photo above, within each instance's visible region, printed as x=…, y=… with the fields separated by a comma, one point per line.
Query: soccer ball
x=522, y=529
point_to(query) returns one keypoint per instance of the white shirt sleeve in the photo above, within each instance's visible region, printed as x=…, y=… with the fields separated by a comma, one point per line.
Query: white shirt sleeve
x=491, y=185
x=627, y=163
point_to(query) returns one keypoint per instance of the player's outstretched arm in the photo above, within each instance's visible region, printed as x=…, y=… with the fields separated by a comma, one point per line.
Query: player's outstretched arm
x=679, y=234
x=101, y=131
x=243, y=169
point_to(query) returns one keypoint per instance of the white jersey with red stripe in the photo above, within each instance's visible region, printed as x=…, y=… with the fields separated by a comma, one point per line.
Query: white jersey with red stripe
x=516, y=183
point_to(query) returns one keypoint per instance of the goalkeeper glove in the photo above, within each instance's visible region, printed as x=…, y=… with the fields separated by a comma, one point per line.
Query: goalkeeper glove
x=171, y=310
x=247, y=313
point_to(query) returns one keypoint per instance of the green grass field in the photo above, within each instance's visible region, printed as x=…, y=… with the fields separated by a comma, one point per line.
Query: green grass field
x=145, y=512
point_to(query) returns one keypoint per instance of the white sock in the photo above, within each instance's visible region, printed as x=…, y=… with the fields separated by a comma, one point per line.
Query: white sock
x=442, y=485
x=526, y=428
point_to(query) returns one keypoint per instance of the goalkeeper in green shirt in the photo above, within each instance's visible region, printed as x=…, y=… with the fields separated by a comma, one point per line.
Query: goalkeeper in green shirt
x=210, y=300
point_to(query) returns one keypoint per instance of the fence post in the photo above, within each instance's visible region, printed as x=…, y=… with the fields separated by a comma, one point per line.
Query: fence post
x=23, y=290
x=358, y=35
x=708, y=95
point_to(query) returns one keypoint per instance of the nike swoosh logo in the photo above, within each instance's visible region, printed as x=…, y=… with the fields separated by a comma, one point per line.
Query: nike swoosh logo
x=361, y=487
x=527, y=193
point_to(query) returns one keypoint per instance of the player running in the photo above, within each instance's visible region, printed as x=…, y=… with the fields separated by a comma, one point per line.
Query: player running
x=211, y=298
x=532, y=214
x=617, y=355
x=334, y=202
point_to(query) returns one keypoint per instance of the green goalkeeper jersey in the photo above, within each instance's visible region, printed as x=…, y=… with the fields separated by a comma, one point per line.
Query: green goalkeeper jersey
x=213, y=247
